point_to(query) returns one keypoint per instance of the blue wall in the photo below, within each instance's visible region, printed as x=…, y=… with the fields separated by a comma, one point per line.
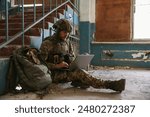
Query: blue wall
x=122, y=55
x=86, y=35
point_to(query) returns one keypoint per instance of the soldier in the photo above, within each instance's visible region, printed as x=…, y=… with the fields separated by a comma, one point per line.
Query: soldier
x=53, y=50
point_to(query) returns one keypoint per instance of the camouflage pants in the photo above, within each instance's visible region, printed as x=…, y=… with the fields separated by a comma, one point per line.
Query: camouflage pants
x=78, y=75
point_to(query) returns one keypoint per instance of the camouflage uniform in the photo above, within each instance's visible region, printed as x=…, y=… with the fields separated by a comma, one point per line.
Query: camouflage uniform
x=51, y=47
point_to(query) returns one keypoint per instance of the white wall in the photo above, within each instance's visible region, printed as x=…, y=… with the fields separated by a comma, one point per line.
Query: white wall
x=92, y=10
x=87, y=10
x=142, y=19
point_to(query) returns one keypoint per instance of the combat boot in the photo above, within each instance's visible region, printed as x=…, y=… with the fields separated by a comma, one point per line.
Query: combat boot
x=79, y=84
x=118, y=85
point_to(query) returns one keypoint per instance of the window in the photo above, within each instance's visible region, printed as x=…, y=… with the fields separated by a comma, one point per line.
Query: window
x=141, y=20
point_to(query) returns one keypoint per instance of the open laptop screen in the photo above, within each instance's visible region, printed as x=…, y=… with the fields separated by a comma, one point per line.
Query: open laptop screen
x=81, y=61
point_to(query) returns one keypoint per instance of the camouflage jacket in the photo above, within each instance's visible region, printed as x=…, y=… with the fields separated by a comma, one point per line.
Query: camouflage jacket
x=52, y=48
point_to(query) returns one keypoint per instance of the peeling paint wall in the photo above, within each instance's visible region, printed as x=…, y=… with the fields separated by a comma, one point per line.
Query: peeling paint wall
x=142, y=55
x=132, y=55
x=125, y=55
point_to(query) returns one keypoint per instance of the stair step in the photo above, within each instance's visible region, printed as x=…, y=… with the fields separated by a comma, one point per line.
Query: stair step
x=29, y=17
x=39, y=25
x=37, y=1
x=37, y=11
x=17, y=41
x=7, y=51
x=12, y=32
x=46, y=2
x=46, y=8
x=13, y=25
x=18, y=20
x=33, y=32
x=40, y=12
x=1, y=39
x=51, y=16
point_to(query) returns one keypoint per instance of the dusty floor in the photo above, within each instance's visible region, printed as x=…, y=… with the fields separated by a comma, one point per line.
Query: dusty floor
x=137, y=87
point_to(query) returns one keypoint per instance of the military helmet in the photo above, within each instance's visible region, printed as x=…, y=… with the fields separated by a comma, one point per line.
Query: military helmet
x=62, y=25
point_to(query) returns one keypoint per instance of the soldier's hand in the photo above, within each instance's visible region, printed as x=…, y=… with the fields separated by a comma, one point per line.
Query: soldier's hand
x=62, y=65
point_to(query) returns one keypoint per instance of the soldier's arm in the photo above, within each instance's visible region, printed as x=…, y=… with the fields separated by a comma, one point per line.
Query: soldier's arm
x=45, y=47
x=71, y=51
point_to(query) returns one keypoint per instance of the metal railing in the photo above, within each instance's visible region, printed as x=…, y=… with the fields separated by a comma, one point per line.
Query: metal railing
x=75, y=42
x=52, y=8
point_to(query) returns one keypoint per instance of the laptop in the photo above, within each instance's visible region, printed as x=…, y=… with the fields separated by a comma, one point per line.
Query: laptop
x=81, y=61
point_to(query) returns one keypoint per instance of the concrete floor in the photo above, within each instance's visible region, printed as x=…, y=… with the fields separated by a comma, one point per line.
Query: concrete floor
x=137, y=88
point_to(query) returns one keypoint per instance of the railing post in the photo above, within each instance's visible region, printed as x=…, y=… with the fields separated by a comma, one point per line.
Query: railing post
x=50, y=4
x=10, y=3
x=56, y=6
x=73, y=22
x=6, y=19
x=50, y=31
x=65, y=10
x=23, y=23
x=18, y=2
x=34, y=11
x=77, y=3
x=78, y=7
x=43, y=4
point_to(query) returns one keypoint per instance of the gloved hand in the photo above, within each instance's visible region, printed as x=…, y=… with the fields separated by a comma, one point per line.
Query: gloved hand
x=68, y=58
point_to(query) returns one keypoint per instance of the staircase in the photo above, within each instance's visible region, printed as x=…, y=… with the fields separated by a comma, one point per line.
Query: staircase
x=37, y=25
